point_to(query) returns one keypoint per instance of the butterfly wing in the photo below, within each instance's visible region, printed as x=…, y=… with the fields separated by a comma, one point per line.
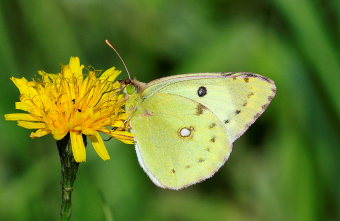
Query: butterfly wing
x=179, y=142
x=237, y=99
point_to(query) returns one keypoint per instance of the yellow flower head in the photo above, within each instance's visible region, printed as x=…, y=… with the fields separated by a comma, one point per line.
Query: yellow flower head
x=69, y=102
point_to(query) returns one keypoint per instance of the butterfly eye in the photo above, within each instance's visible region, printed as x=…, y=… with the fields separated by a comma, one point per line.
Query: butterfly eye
x=202, y=91
x=130, y=89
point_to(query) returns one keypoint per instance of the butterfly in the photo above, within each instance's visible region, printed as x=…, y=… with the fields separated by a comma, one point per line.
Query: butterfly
x=185, y=125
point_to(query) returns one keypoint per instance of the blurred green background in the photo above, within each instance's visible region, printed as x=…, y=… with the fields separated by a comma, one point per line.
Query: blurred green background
x=286, y=167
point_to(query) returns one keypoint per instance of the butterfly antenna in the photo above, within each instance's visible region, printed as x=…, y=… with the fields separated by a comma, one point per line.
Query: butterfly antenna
x=111, y=46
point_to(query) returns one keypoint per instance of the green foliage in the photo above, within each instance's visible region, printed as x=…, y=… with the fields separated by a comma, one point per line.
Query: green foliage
x=286, y=167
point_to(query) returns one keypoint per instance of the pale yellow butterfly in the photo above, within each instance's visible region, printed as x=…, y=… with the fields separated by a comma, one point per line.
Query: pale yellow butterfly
x=185, y=125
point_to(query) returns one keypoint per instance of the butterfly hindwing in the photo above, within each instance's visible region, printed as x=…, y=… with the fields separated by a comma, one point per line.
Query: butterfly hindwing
x=179, y=141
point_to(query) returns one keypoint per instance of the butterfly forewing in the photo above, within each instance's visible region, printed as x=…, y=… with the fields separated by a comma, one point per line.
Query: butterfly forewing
x=237, y=99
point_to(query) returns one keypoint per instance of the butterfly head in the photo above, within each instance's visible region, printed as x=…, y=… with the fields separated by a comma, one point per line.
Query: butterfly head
x=133, y=86
x=133, y=89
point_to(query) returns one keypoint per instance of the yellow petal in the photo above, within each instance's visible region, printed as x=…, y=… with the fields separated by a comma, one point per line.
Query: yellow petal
x=75, y=65
x=21, y=116
x=99, y=146
x=29, y=107
x=31, y=125
x=67, y=74
x=123, y=136
x=23, y=106
x=78, y=147
x=110, y=74
x=47, y=77
x=58, y=134
x=39, y=133
x=117, y=123
x=74, y=69
x=24, y=86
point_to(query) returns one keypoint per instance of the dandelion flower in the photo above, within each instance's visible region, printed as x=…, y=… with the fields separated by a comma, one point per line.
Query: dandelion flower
x=71, y=102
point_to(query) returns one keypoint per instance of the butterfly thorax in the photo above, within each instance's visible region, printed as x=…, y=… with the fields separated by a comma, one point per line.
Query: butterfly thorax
x=133, y=101
x=140, y=86
x=135, y=98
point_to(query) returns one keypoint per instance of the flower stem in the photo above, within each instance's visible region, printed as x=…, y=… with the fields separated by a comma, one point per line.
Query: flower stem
x=69, y=168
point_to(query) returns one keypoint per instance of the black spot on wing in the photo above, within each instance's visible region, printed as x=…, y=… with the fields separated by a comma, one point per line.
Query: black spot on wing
x=202, y=91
